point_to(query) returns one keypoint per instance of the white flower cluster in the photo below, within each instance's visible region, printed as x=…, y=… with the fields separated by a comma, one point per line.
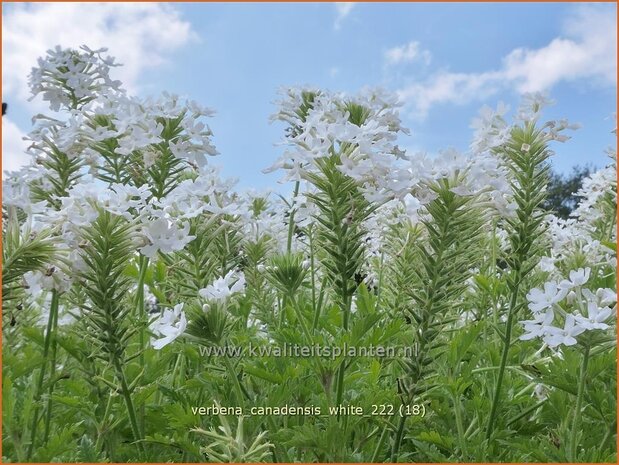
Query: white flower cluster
x=360, y=130
x=490, y=128
x=270, y=220
x=104, y=129
x=590, y=312
x=594, y=188
x=207, y=193
x=144, y=124
x=481, y=175
x=581, y=234
x=69, y=78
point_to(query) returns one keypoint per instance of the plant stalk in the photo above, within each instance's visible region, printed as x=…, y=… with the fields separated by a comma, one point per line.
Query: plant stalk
x=573, y=449
x=297, y=184
x=53, y=315
x=460, y=427
x=126, y=393
x=48, y=408
x=506, y=346
x=395, y=449
x=235, y=381
x=141, y=316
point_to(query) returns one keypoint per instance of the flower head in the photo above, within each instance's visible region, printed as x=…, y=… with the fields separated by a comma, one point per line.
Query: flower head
x=170, y=325
x=222, y=288
x=541, y=299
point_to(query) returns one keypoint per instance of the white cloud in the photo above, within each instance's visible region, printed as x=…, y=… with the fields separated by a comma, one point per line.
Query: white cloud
x=589, y=51
x=447, y=87
x=586, y=52
x=334, y=71
x=407, y=53
x=342, y=10
x=13, y=147
x=139, y=35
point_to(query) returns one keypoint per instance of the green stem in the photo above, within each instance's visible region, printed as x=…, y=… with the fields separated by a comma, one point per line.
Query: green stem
x=53, y=314
x=139, y=300
x=235, y=381
x=380, y=281
x=506, y=345
x=398, y=440
x=379, y=445
x=176, y=369
x=321, y=295
x=460, y=427
x=291, y=219
x=141, y=315
x=525, y=413
x=429, y=311
x=469, y=430
x=48, y=408
x=102, y=430
x=274, y=427
x=339, y=390
x=509, y=367
x=300, y=317
x=610, y=431
x=312, y=274
x=573, y=449
x=339, y=387
x=347, y=300
x=126, y=393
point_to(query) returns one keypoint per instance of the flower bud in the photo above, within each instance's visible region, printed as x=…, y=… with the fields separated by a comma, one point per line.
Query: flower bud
x=571, y=297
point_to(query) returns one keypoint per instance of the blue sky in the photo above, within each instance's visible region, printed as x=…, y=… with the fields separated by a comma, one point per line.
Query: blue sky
x=444, y=60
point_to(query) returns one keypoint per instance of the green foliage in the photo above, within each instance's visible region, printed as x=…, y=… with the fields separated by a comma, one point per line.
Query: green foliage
x=525, y=155
x=445, y=259
x=232, y=447
x=22, y=252
x=443, y=292
x=106, y=253
x=286, y=273
x=342, y=210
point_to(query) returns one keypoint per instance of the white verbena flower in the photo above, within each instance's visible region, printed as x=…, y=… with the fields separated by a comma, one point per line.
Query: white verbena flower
x=540, y=299
x=36, y=282
x=577, y=278
x=547, y=264
x=539, y=326
x=171, y=324
x=224, y=287
x=165, y=236
x=606, y=296
x=566, y=336
x=596, y=317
